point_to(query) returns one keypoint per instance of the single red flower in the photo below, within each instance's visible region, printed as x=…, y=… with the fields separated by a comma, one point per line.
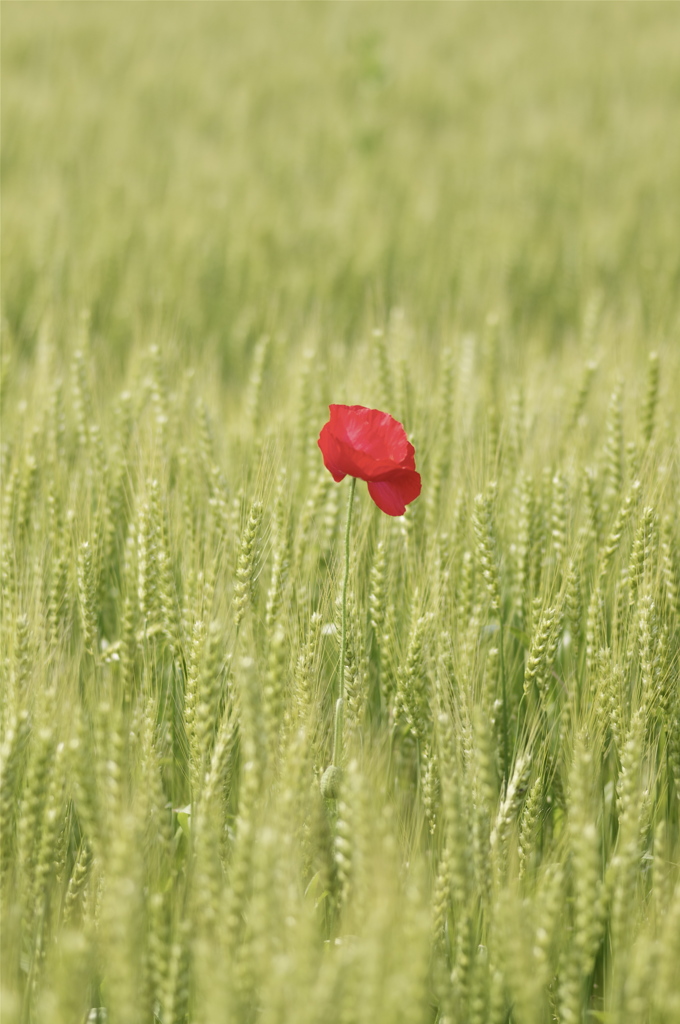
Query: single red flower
x=372, y=446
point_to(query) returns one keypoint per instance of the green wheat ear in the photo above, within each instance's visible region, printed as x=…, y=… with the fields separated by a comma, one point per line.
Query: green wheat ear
x=87, y=596
x=245, y=570
x=331, y=781
x=650, y=402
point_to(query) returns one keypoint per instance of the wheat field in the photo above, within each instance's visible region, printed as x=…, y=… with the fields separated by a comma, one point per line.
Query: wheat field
x=218, y=218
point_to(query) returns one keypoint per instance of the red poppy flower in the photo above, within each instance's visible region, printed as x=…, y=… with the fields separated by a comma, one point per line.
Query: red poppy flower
x=372, y=446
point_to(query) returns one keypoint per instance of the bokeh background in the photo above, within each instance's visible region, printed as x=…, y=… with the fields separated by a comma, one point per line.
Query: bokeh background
x=212, y=171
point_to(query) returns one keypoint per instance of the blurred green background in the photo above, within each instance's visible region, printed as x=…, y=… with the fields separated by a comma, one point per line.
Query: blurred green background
x=210, y=171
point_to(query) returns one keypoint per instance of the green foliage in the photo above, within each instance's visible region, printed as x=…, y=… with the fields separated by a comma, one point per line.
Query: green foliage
x=216, y=219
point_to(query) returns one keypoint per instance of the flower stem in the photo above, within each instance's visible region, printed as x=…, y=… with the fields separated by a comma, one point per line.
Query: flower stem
x=339, y=707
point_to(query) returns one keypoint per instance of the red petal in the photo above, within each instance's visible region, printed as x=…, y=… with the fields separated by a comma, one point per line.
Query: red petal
x=375, y=434
x=393, y=494
x=365, y=443
x=333, y=458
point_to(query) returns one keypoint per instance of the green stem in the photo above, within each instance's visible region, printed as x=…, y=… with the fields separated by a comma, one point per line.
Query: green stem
x=339, y=707
x=506, y=766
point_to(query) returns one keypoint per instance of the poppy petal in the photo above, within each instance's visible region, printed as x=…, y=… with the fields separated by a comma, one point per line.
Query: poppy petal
x=371, y=445
x=333, y=457
x=341, y=459
x=374, y=434
x=393, y=494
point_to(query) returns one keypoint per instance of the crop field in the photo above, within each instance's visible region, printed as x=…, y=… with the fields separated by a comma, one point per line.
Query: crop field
x=218, y=219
